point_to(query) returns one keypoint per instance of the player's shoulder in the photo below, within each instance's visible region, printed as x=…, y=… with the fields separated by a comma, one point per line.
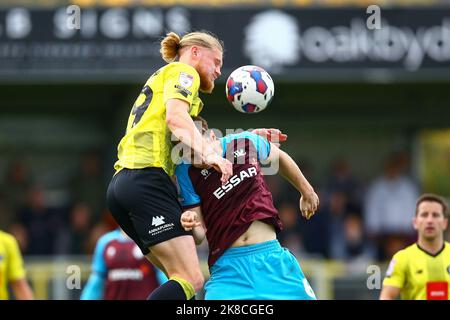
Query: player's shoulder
x=182, y=168
x=447, y=248
x=180, y=67
x=241, y=135
x=407, y=252
x=7, y=238
x=255, y=141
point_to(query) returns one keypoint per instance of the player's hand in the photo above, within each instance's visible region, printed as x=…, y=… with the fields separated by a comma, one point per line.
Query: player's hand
x=272, y=135
x=220, y=164
x=309, y=204
x=189, y=220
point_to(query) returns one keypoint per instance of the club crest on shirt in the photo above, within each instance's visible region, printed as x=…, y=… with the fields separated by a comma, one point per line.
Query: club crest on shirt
x=110, y=252
x=185, y=79
x=205, y=173
x=239, y=153
x=448, y=269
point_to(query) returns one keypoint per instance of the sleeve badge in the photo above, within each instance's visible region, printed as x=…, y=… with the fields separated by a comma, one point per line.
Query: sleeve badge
x=185, y=79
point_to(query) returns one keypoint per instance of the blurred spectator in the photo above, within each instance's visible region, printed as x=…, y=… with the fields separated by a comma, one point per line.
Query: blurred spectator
x=390, y=201
x=13, y=192
x=20, y=233
x=341, y=180
x=18, y=181
x=352, y=245
x=290, y=236
x=6, y=213
x=88, y=186
x=97, y=231
x=42, y=224
x=316, y=232
x=337, y=209
x=76, y=239
x=275, y=183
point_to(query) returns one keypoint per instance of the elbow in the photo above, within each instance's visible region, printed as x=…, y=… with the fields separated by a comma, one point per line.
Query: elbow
x=174, y=122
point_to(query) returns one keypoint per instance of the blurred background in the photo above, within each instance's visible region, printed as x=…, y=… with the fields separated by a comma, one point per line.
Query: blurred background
x=367, y=113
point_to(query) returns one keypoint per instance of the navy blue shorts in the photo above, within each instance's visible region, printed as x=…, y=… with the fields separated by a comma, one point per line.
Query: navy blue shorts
x=144, y=202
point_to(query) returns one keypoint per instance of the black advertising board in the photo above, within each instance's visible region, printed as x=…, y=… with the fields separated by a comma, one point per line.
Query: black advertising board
x=296, y=43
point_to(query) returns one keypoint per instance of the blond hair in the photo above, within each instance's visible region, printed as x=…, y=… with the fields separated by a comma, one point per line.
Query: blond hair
x=172, y=43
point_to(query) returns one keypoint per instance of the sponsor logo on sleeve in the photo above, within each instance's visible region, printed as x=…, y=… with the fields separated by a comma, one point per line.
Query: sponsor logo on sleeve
x=183, y=91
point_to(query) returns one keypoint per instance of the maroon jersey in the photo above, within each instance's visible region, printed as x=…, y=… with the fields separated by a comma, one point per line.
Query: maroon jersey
x=228, y=210
x=126, y=273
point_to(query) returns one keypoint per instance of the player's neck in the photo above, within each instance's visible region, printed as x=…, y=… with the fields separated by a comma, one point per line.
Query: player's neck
x=431, y=246
x=187, y=60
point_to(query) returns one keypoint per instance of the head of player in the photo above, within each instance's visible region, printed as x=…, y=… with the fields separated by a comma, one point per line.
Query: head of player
x=189, y=154
x=201, y=50
x=420, y=271
x=431, y=219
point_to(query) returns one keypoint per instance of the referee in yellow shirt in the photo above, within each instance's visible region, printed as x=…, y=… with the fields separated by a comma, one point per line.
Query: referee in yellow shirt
x=422, y=270
x=12, y=271
x=141, y=195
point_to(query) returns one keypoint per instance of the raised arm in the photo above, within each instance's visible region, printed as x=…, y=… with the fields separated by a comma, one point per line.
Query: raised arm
x=309, y=200
x=182, y=126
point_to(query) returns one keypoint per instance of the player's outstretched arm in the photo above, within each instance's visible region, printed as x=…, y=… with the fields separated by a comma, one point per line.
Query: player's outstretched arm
x=309, y=200
x=183, y=127
x=192, y=219
x=389, y=293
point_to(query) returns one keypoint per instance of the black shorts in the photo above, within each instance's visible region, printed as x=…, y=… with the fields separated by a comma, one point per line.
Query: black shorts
x=144, y=202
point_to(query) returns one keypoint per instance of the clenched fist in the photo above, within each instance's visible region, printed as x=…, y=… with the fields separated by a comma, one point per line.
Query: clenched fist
x=308, y=204
x=189, y=220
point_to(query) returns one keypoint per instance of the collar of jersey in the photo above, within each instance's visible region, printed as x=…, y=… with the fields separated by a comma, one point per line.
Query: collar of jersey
x=430, y=254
